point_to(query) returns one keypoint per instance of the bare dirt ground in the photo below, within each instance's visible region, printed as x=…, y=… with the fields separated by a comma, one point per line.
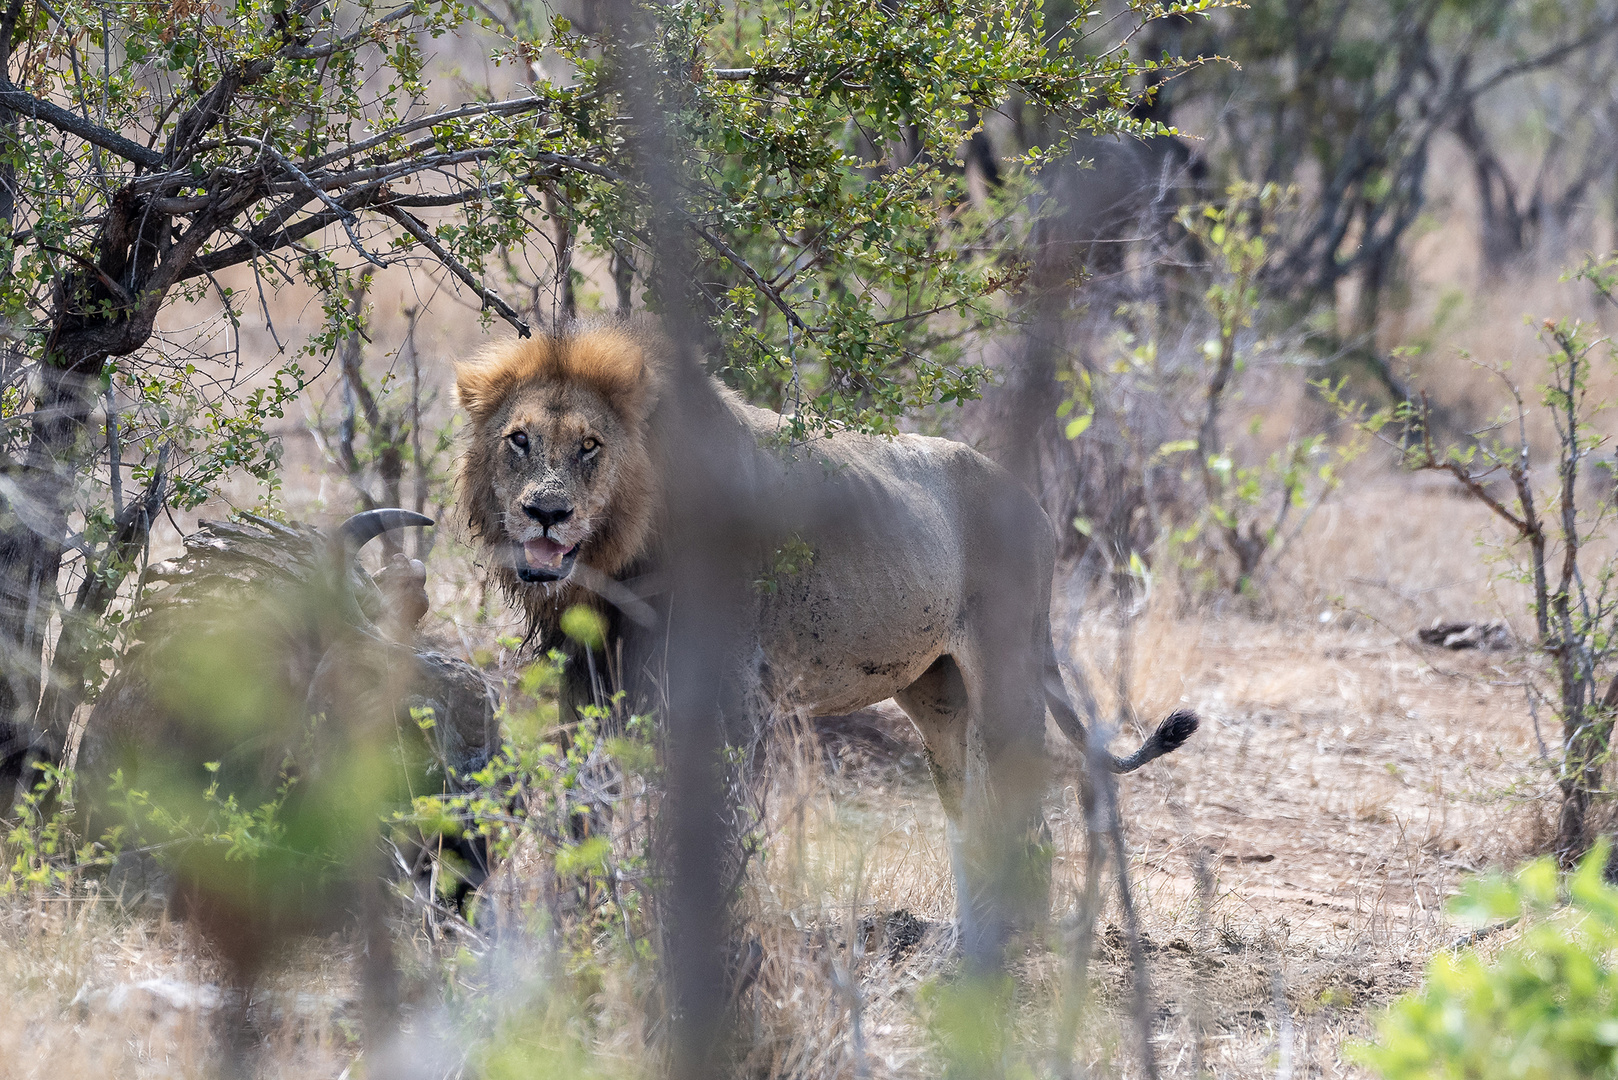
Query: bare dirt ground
x=1344, y=780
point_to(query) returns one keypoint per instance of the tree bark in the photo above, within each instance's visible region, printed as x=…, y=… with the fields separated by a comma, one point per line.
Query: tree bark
x=96, y=316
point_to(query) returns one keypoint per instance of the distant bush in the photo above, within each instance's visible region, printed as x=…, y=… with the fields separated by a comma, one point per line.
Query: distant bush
x=1545, y=1007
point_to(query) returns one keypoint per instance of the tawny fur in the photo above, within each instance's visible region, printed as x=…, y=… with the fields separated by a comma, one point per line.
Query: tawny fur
x=929, y=583
x=612, y=369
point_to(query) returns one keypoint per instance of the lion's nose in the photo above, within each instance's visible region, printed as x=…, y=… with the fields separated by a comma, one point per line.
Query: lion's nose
x=548, y=512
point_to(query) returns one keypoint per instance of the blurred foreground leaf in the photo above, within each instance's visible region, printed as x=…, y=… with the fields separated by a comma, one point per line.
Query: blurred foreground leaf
x=1546, y=1007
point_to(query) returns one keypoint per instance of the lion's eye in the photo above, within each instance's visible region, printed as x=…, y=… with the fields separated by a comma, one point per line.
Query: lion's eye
x=519, y=439
x=588, y=447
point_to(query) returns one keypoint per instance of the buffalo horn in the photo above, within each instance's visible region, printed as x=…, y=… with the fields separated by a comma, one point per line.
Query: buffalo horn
x=362, y=528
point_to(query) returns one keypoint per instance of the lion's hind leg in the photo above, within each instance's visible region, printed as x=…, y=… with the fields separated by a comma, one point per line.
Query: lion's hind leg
x=984, y=736
x=937, y=704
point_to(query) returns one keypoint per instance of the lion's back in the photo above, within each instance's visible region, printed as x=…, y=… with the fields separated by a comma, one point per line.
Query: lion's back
x=939, y=468
x=908, y=534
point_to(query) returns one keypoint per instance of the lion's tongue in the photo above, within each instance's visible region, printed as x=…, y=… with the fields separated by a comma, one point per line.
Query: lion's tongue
x=544, y=554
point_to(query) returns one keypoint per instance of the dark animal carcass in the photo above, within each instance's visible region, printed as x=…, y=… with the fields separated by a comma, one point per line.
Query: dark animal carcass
x=270, y=669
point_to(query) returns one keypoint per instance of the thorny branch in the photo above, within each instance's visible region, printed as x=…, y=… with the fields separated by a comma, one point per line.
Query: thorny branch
x=1574, y=623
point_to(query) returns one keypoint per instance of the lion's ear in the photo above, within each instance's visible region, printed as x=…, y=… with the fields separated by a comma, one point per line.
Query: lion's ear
x=645, y=387
x=479, y=388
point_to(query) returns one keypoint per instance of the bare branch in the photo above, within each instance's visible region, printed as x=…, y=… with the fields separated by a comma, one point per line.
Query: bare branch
x=344, y=215
x=26, y=104
x=1474, y=486
x=418, y=229
x=174, y=204
x=509, y=107
x=208, y=110
x=273, y=233
x=107, y=283
x=451, y=198
x=758, y=75
x=343, y=44
x=753, y=275
x=1552, y=55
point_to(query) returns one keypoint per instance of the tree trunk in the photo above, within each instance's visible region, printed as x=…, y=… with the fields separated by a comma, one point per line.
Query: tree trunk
x=1586, y=734
x=32, y=534
x=623, y=280
x=564, y=307
x=1503, y=225
x=96, y=317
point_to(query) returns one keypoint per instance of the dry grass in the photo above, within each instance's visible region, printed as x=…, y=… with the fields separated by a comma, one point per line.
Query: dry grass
x=1344, y=779
x=88, y=989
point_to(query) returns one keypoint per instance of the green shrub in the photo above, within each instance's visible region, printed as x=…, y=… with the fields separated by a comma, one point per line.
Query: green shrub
x=1545, y=1007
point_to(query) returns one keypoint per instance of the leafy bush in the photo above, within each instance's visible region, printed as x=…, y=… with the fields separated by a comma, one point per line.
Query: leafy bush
x=561, y=788
x=1545, y=1006
x=36, y=846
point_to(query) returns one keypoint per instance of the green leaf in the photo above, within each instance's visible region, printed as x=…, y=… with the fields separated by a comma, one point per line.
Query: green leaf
x=585, y=625
x=587, y=856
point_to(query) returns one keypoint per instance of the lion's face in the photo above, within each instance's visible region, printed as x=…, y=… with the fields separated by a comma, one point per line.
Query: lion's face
x=558, y=469
x=558, y=458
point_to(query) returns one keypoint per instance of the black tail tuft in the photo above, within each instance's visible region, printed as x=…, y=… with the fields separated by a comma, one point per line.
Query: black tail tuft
x=1170, y=735
x=1176, y=729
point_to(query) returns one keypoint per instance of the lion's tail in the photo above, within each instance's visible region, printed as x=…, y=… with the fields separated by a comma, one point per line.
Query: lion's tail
x=1170, y=735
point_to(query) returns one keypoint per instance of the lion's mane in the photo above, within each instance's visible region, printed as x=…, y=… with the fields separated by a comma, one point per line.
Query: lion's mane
x=621, y=364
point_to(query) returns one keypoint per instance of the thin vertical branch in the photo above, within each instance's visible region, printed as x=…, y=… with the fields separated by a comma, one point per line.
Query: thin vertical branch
x=1203, y=898
x=1108, y=787
x=1104, y=831
x=1142, y=999
x=115, y=454
x=1283, y=1021
x=847, y=978
x=1080, y=942
x=623, y=278
x=1126, y=639
x=350, y=357
x=422, y=538
x=713, y=515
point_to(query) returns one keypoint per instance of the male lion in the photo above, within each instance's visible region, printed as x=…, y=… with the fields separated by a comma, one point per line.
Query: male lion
x=914, y=568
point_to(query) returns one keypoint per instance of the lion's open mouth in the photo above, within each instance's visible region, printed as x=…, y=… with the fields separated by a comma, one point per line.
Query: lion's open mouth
x=545, y=560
